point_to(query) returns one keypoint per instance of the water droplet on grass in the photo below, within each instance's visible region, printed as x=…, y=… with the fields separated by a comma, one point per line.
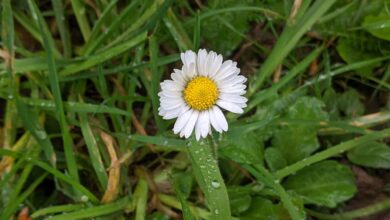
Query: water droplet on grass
x=41, y=134
x=215, y=184
x=84, y=198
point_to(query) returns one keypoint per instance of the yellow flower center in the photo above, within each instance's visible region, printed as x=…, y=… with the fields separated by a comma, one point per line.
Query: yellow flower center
x=201, y=93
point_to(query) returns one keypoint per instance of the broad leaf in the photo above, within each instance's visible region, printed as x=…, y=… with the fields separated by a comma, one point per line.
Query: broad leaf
x=326, y=183
x=240, y=198
x=242, y=148
x=261, y=209
x=378, y=24
x=375, y=155
x=299, y=140
x=274, y=159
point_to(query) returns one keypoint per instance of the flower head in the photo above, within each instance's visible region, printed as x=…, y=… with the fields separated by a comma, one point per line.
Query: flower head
x=197, y=92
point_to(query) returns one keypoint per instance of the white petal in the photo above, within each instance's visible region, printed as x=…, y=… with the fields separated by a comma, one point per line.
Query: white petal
x=177, y=76
x=232, y=98
x=212, y=64
x=228, y=67
x=224, y=67
x=233, y=71
x=182, y=121
x=188, y=58
x=217, y=63
x=174, y=113
x=189, y=71
x=231, y=88
x=170, y=94
x=187, y=130
x=202, y=125
x=213, y=120
x=220, y=118
x=201, y=62
x=230, y=106
x=232, y=80
x=171, y=85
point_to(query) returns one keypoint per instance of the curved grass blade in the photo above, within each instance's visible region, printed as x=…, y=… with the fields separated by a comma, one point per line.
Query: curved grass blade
x=96, y=211
x=55, y=87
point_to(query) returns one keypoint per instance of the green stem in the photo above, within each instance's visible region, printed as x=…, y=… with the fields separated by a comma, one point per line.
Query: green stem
x=267, y=178
x=338, y=149
x=369, y=210
x=210, y=180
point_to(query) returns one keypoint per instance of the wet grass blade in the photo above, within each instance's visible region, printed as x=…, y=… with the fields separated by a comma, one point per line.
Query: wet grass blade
x=96, y=211
x=93, y=150
x=155, y=84
x=62, y=26
x=55, y=88
x=104, y=56
x=57, y=209
x=208, y=176
x=74, y=107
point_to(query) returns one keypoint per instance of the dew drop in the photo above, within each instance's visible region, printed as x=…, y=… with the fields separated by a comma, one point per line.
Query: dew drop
x=41, y=134
x=216, y=211
x=215, y=184
x=84, y=198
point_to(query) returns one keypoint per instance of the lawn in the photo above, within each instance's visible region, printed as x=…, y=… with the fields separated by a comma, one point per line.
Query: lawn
x=217, y=110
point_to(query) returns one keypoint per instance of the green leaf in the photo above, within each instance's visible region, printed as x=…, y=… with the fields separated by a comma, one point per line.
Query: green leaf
x=326, y=183
x=242, y=148
x=261, y=209
x=298, y=141
x=274, y=158
x=349, y=103
x=182, y=183
x=307, y=108
x=375, y=155
x=240, y=198
x=351, y=53
x=378, y=24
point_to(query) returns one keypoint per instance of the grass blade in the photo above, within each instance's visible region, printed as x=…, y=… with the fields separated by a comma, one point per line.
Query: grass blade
x=104, y=56
x=55, y=87
x=62, y=26
x=79, y=10
x=96, y=211
x=177, y=31
x=287, y=41
x=156, y=76
x=93, y=150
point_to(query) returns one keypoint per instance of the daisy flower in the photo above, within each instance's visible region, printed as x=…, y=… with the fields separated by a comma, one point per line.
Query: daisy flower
x=197, y=92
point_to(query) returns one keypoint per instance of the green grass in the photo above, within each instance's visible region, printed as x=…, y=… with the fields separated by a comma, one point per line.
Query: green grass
x=81, y=138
